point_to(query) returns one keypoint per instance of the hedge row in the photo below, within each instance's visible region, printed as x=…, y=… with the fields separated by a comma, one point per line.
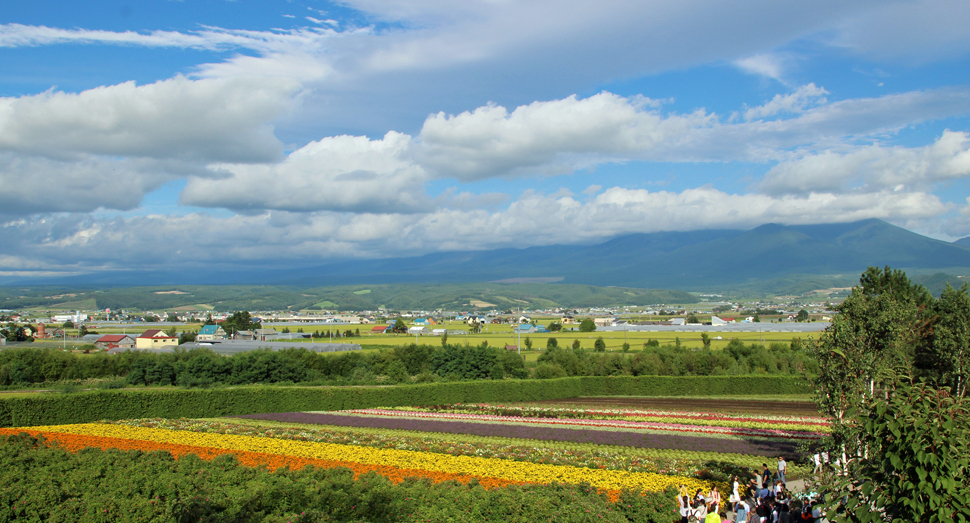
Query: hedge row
x=199, y=403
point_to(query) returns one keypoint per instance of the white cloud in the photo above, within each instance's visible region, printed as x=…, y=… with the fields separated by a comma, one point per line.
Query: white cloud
x=548, y=137
x=34, y=184
x=214, y=120
x=346, y=173
x=873, y=168
x=919, y=31
x=804, y=97
x=769, y=65
x=71, y=242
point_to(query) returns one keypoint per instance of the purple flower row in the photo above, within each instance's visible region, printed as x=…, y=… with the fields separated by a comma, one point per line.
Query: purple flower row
x=752, y=446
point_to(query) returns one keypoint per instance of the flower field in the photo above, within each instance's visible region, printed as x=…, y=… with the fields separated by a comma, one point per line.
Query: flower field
x=611, y=453
x=393, y=463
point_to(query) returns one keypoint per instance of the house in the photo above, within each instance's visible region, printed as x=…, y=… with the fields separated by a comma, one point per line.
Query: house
x=721, y=321
x=155, y=339
x=439, y=332
x=115, y=341
x=603, y=322
x=567, y=320
x=211, y=332
x=243, y=335
x=525, y=319
x=265, y=334
x=381, y=329
x=418, y=330
x=425, y=321
x=525, y=328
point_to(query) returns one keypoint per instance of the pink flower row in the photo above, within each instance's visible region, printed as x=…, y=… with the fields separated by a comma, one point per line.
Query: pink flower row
x=643, y=425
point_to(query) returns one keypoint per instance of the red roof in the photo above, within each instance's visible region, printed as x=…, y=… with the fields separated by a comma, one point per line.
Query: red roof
x=380, y=328
x=112, y=338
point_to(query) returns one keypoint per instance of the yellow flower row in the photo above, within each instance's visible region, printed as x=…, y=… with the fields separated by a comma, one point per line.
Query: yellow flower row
x=406, y=459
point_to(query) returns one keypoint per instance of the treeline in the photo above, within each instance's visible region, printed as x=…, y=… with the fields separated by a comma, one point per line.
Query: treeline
x=50, y=484
x=737, y=359
x=404, y=364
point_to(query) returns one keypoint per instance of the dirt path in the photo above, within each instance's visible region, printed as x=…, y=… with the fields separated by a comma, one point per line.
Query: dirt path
x=782, y=408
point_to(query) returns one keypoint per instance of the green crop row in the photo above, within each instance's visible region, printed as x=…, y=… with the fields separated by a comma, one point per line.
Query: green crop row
x=201, y=403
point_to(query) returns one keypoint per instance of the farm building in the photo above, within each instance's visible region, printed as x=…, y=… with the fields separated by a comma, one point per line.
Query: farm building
x=439, y=332
x=112, y=341
x=418, y=330
x=155, y=339
x=211, y=332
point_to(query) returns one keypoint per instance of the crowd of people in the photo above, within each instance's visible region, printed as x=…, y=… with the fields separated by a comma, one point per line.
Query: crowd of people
x=764, y=499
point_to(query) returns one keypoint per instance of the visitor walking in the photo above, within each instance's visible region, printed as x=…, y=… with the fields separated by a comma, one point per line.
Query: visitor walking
x=782, y=467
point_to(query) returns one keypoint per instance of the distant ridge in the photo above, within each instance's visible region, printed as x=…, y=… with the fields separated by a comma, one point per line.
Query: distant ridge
x=693, y=260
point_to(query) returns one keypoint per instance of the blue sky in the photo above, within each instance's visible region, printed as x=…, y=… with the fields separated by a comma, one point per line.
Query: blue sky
x=191, y=133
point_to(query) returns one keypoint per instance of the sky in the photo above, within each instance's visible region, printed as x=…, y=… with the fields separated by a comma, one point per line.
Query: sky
x=182, y=135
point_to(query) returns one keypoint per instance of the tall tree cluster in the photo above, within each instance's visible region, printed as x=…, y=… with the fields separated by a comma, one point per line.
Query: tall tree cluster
x=892, y=373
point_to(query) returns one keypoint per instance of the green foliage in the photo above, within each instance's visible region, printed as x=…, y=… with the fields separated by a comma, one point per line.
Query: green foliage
x=599, y=345
x=555, y=326
x=705, y=340
x=587, y=325
x=946, y=357
x=528, y=342
x=399, y=326
x=552, y=343
x=802, y=316
x=915, y=462
x=692, y=318
x=239, y=321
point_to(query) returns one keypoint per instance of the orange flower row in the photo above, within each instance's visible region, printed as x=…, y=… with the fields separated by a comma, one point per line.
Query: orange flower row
x=76, y=442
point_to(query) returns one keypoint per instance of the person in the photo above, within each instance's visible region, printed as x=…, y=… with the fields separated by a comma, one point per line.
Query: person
x=700, y=510
x=735, y=494
x=714, y=499
x=817, y=461
x=743, y=513
x=825, y=460
x=782, y=467
x=765, y=476
x=714, y=517
x=685, y=510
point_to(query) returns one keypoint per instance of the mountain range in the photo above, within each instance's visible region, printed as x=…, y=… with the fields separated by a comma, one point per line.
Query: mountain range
x=692, y=260
x=769, y=258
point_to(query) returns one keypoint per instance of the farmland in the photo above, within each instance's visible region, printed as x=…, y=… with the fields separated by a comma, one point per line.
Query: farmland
x=608, y=458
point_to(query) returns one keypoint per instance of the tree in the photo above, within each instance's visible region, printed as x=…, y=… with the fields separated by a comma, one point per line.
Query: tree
x=599, y=345
x=83, y=331
x=551, y=343
x=239, y=321
x=626, y=347
x=757, y=318
x=187, y=336
x=209, y=320
x=706, y=340
x=576, y=345
x=68, y=325
x=692, y=318
x=399, y=326
x=555, y=326
x=802, y=316
x=172, y=318
x=444, y=339
x=945, y=357
x=914, y=460
x=871, y=341
x=587, y=325
x=528, y=342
